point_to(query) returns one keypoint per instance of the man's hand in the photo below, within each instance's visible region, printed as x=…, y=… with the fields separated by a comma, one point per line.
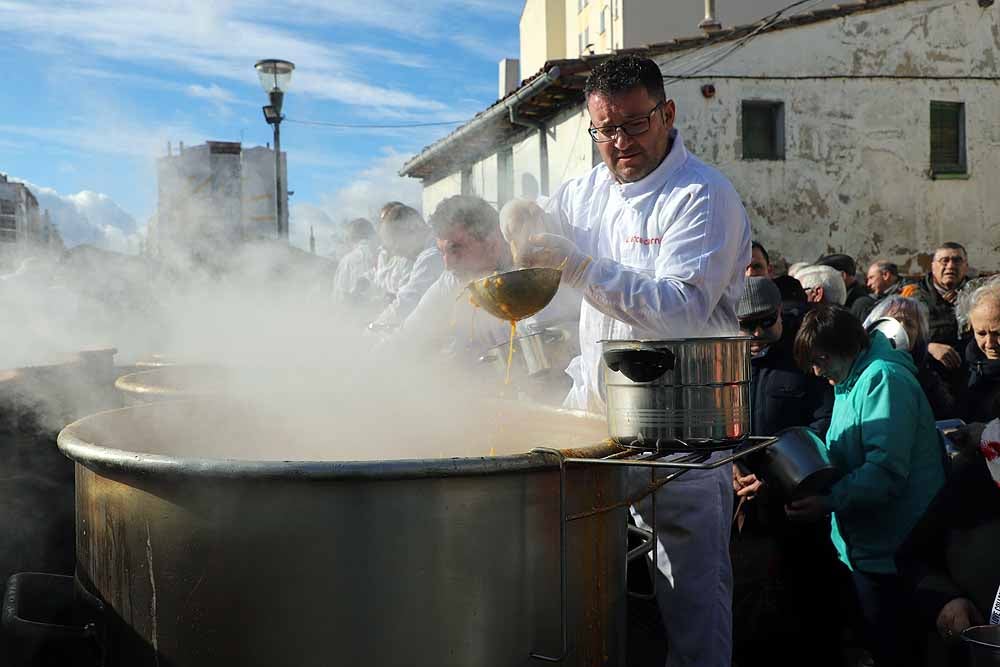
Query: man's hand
x=555, y=252
x=809, y=508
x=521, y=219
x=946, y=354
x=745, y=486
x=956, y=616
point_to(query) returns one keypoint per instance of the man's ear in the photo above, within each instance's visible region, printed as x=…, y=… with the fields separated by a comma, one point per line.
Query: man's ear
x=820, y=294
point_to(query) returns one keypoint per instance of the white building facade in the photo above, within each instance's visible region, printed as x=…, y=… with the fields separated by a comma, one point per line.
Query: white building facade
x=213, y=196
x=870, y=128
x=25, y=230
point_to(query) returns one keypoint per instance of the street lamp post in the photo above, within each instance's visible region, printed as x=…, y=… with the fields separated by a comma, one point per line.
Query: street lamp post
x=275, y=75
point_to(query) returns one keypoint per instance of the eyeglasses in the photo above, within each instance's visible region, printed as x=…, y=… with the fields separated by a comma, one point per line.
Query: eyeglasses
x=752, y=324
x=633, y=128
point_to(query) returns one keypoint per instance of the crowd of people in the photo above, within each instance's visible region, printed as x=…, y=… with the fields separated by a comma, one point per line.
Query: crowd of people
x=898, y=549
x=655, y=244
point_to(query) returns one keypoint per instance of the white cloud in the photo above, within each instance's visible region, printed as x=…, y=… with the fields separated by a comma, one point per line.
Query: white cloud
x=213, y=93
x=89, y=217
x=362, y=198
x=202, y=39
x=485, y=46
x=372, y=188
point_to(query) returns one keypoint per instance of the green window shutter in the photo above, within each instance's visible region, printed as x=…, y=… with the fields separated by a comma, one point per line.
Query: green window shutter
x=947, y=138
x=763, y=130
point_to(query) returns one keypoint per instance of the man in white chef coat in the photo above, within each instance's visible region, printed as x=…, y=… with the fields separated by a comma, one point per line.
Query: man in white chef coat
x=658, y=242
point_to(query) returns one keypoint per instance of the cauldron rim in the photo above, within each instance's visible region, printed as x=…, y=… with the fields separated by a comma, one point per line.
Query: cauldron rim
x=119, y=463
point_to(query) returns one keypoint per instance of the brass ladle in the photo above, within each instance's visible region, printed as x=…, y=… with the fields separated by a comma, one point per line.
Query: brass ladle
x=514, y=295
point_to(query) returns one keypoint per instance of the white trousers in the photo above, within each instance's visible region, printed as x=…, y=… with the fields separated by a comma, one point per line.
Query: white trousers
x=694, y=581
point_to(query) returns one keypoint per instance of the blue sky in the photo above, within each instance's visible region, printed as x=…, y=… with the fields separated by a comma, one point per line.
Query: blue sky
x=94, y=90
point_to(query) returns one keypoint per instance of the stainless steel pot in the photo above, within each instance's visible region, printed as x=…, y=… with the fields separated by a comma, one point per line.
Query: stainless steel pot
x=691, y=392
x=203, y=555
x=537, y=353
x=169, y=382
x=984, y=645
x=797, y=464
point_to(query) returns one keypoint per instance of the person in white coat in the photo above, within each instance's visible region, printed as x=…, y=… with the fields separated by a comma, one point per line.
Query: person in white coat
x=405, y=236
x=658, y=242
x=352, y=282
x=467, y=232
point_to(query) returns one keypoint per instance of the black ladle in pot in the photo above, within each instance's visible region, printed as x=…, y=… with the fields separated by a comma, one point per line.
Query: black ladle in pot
x=640, y=365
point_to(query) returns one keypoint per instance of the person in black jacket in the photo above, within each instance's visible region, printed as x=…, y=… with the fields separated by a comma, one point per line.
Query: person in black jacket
x=949, y=561
x=781, y=394
x=982, y=354
x=780, y=565
x=939, y=292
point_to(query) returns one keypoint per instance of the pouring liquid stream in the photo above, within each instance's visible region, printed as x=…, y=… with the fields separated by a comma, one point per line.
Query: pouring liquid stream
x=510, y=350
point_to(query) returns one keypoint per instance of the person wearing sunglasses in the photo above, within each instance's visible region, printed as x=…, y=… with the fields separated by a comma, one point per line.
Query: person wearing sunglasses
x=658, y=243
x=782, y=396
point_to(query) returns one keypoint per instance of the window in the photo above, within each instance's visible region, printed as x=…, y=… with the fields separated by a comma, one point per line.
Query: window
x=505, y=176
x=581, y=43
x=763, y=130
x=7, y=207
x=603, y=27
x=948, y=138
x=8, y=236
x=586, y=37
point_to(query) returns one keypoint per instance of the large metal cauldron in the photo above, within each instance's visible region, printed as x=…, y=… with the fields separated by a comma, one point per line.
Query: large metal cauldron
x=167, y=382
x=212, y=542
x=691, y=391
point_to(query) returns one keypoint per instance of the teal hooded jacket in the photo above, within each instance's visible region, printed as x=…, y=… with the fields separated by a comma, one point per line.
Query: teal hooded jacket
x=883, y=439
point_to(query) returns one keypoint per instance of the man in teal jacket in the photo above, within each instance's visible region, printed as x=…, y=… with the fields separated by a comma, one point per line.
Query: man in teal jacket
x=883, y=439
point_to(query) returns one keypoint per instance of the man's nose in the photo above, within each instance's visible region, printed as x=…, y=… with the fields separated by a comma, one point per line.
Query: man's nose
x=622, y=141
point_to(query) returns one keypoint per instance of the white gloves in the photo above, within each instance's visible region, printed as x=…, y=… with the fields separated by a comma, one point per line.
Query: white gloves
x=556, y=252
x=535, y=242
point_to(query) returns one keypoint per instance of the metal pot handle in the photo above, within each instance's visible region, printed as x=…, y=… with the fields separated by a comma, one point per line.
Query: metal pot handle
x=648, y=546
x=640, y=365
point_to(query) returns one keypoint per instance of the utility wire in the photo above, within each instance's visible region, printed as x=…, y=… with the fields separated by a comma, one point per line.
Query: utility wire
x=351, y=126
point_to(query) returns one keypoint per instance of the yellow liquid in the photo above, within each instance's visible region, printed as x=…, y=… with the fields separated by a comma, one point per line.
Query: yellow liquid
x=510, y=350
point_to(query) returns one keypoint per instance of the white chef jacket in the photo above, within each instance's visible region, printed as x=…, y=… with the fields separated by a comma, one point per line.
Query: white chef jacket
x=391, y=271
x=670, y=253
x=414, y=281
x=354, y=274
x=669, y=259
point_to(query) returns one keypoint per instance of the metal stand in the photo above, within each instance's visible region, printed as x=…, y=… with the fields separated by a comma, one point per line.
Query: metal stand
x=629, y=457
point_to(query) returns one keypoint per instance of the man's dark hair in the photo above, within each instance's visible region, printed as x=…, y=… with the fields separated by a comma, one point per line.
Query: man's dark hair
x=472, y=214
x=887, y=266
x=758, y=246
x=359, y=229
x=951, y=245
x=839, y=262
x=622, y=73
x=829, y=330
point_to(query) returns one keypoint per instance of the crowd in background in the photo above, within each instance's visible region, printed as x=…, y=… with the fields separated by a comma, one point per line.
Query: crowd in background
x=897, y=558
